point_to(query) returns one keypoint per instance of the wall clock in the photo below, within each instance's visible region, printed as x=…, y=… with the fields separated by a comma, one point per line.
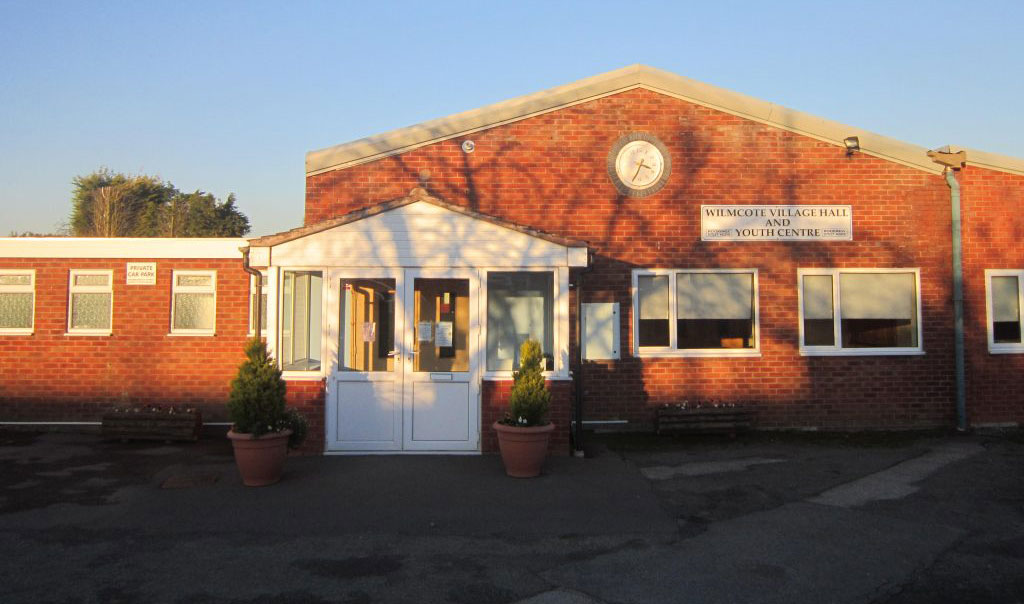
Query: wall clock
x=639, y=164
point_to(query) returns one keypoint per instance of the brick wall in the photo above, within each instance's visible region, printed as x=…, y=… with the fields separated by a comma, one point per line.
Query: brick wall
x=549, y=172
x=495, y=402
x=993, y=234
x=51, y=376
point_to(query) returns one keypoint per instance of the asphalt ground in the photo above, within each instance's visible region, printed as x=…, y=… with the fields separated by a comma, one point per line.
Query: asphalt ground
x=881, y=518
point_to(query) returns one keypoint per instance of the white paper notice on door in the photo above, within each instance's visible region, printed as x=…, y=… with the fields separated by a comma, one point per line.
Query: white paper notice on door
x=369, y=331
x=424, y=331
x=444, y=334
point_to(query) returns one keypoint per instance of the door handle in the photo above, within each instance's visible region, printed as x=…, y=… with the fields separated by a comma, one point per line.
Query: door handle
x=394, y=353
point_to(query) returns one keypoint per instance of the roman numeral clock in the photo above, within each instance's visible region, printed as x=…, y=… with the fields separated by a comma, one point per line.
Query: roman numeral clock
x=639, y=164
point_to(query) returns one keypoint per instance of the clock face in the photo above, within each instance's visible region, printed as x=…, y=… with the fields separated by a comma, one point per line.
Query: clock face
x=639, y=164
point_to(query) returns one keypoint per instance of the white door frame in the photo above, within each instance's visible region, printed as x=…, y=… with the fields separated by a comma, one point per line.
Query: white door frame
x=336, y=379
x=402, y=377
x=471, y=377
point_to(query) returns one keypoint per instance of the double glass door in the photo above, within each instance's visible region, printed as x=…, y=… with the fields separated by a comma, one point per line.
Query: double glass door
x=404, y=348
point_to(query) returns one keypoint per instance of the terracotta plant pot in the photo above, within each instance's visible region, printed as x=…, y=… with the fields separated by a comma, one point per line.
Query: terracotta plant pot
x=260, y=459
x=523, y=450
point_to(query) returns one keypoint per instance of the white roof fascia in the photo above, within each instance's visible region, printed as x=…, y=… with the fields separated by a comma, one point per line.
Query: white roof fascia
x=120, y=247
x=636, y=76
x=991, y=161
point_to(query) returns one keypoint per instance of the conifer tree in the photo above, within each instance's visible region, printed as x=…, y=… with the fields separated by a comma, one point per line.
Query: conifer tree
x=529, y=399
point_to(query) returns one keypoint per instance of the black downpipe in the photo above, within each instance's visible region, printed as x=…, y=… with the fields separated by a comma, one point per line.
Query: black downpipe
x=259, y=290
x=577, y=412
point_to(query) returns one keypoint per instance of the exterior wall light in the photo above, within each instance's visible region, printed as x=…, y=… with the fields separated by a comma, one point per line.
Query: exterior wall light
x=852, y=145
x=468, y=146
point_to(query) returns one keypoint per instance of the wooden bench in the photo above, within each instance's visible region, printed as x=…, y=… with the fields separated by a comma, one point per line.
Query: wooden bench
x=167, y=424
x=703, y=419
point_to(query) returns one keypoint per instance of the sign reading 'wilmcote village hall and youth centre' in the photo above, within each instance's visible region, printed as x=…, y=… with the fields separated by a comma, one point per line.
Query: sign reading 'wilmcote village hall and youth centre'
x=776, y=223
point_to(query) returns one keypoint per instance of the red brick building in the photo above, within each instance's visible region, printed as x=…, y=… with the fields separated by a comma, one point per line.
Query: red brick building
x=717, y=248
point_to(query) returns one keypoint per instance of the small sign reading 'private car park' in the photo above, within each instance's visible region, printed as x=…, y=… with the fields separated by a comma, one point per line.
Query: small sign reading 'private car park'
x=141, y=273
x=776, y=223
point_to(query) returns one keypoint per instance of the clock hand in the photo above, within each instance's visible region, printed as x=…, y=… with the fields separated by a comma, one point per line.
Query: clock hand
x=638, y=166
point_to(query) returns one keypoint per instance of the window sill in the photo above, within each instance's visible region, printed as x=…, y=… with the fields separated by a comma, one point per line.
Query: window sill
x=101, y=334
x=11, y=332
x=861, y=352
x=506, y=376
x=179, y=334
x=677, y=354
x=1006, y=349
x=302, y=376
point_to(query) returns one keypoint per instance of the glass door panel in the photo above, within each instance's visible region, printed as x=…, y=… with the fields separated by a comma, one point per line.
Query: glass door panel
x=366, y=335
x=441, y=325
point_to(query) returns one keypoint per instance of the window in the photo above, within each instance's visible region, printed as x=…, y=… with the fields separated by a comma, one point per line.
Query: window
x=254, y=291
x=520, y=305
x=1005, y=293
x=17, y=301
x=300, y=318
x=859, y=311
x=695, y=312
x=90, y=302
x=194, y=307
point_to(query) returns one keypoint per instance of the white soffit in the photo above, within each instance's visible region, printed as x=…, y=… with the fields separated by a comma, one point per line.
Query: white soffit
x=635, y=76
x=991, y=161
x=120, y=247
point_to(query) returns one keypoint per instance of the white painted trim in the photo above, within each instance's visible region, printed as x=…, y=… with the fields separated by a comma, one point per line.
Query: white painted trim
x=143, y=248
x=251, y=332
x=991, y=161
x=837, y=349
x=560, y=320
x=193, y=289
x=89, y=289
x=614, y=82
x=50, y=423
x=672, y=351
x=1003, y=347
x=318, y=374
x=20, y=289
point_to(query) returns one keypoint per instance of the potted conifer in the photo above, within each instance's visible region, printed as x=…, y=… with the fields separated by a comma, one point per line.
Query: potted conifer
x=263, y=428
x=524, y=432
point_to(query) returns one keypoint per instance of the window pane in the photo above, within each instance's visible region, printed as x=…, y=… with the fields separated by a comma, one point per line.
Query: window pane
x=879, y=310
x=819, y=311
x=519, y=306
x=652, y=295
x=15, y=279
x=99, y=280
x=195, y=280
x=1006, y=310
x=441, y=325
x=193, y=311
x=90, y=311
x=367, y=335
x=15, y=310
x=301, y=321
x=715, y=310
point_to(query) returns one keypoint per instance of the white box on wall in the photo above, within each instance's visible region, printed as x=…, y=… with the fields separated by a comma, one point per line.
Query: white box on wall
x=600, y=331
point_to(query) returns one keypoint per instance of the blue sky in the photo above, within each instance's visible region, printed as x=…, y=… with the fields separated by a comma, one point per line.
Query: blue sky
x=228, y=97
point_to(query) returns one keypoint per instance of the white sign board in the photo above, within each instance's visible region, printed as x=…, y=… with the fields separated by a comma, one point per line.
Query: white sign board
x=141, y=273
x=776, y=223
x=444, y=332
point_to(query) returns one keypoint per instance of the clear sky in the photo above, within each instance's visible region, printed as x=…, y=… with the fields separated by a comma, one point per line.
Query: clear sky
x=228, y=97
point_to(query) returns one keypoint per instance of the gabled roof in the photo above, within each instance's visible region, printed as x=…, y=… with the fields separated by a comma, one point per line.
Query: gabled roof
x=416, y=195
x=635, y=76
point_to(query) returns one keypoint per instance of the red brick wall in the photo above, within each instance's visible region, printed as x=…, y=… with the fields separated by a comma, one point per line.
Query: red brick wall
x=308, y=397
x=495, y=403
x=549, y=172
x=50, y=376
x=993, y=235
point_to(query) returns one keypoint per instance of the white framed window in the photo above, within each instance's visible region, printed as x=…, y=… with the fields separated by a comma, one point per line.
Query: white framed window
x=860, y=311
x=300, y=339
x=1004, y=298
x=91, y=302
x=695, y=312
x=193, y=303
x=520, y=305
x=17, y=301
x=258, y=297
